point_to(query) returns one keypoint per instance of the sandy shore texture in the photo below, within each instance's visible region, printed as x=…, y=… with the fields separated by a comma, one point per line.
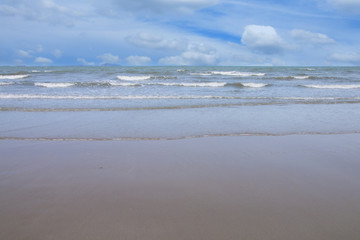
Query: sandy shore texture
x=221, y=188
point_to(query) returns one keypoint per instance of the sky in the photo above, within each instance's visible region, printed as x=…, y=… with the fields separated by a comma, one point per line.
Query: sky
x=180, y=32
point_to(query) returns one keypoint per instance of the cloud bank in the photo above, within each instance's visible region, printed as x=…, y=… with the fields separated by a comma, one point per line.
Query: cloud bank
x=179, y=32
x=264, y=39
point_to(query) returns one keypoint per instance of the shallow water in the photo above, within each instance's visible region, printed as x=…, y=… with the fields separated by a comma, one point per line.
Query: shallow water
x=176, y=102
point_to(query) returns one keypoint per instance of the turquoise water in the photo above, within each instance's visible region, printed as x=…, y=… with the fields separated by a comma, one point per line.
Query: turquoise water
x=175, y=102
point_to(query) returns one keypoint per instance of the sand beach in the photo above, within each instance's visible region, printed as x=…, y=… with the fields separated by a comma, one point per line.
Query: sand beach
x=245, y=187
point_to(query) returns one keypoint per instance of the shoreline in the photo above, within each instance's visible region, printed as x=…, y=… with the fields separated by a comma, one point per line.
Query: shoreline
x=239, y=187
x=119, y=139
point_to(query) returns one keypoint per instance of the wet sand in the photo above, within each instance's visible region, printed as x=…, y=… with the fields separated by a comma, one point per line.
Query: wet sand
x=250, y=187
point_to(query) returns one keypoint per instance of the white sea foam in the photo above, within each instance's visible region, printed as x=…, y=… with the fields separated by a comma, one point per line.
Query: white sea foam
x=130, y=97
x=54, y=85
x=254, y=85
x=133, y=78
x=203, y=84
x=6, y=83
x=310, y=69
x=123, y=84
x=300, y=77
x=14, y=76
x=35, y=71
x=332, y=86
x=127, y=97
x=313, y=98
x=236, y=73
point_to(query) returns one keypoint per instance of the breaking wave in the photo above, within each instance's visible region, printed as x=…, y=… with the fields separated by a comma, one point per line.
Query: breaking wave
x=14, y=76
x=54, y=85
x=122, y=84
x=133, y=78
x=5, y=83
x=300, y=77
x=250, y=85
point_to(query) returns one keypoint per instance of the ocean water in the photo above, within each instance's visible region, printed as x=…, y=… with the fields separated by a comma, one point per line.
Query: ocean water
x=110, y=103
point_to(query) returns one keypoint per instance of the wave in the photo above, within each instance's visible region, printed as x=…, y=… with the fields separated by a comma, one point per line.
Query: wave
x=204, y=84
x=14, y=76
x=236, y=73
x=332, y=86
x=250, y=85
x=54, y=85
x=229, y=73
x=6, y=83
x=300, y=77
x=86, y=84
x=122, y=84
x=254, y=85
x=130, y=97
x=44, y=71
x=126, y=97
x=133, y=78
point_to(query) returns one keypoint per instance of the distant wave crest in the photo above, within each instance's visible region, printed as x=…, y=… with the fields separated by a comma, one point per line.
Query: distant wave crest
x=332, y=86
x=125, y=97
x=230, y=73
x=200, y=84
x=236, y=73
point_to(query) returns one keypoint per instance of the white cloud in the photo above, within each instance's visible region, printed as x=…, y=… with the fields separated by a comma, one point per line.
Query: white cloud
x=150, y=40
x=23, y=53
x=41, y=10
x=190, y=58
x=346, y=6
x=310, y=37
x=351, y=58
x=109, y=58
x=196, y=54
x=138, y=60
x=57, y=53
x=262, y=38
x=43, y=60
x=84, y=62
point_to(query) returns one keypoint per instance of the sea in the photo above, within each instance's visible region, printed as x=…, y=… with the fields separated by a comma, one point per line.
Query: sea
x=154, y=103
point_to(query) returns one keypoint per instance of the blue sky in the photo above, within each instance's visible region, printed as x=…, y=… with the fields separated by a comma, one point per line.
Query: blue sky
x=180, y=32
